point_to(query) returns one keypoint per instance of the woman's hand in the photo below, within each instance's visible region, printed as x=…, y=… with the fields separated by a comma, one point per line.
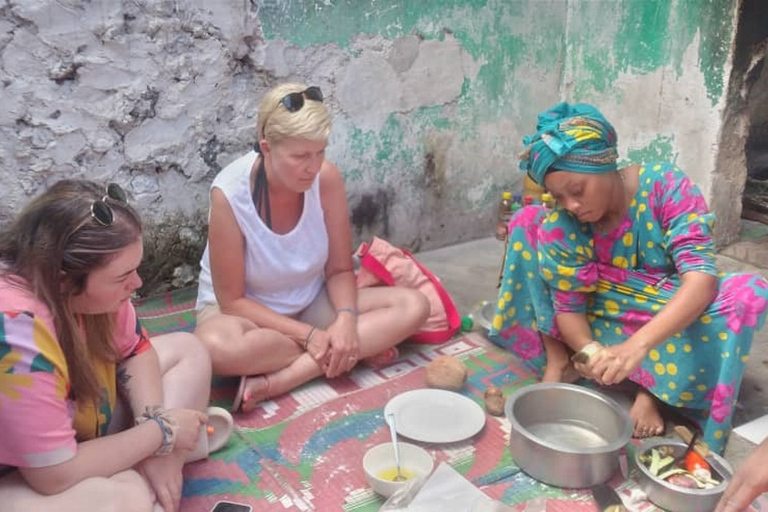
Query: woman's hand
x=586, y=358
x=615, y=364
x=163, y=474
x=319, y=346
x=345, y=346
x=748, y=483
x=190, y=422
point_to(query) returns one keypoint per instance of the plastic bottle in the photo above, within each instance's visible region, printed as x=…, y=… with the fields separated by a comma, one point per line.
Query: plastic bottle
x=478, y=317
x=547, y=200
x=504, y=214
x=532, y=189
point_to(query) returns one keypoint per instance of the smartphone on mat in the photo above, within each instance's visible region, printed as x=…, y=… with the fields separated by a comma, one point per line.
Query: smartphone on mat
x=231, y=506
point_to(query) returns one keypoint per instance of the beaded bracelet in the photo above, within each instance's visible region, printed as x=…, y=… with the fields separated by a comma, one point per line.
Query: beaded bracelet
x=352, y=311
x=168, y=427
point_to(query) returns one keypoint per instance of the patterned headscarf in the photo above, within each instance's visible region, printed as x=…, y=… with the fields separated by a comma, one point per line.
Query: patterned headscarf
x=570, y=138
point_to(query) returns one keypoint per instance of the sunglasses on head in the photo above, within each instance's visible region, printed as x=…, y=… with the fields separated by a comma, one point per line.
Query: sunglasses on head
x=294, y=101
x=100, y=210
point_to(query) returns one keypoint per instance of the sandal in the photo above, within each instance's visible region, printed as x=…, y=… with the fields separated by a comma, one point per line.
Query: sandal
x=218, y=431
x=241, y=400
x=239, y=395
x=382, y=359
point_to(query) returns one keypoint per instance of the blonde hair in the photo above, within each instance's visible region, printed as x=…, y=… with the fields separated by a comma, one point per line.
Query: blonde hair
x=275, y=123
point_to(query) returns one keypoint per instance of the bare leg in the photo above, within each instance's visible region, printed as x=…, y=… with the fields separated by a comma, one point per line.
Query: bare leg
x=645, y=415
x=559, y=367
x=186, y=370
x=185, y=367
x=124, y=492
x=238, y=347
x=186, y=373
x=388, y=315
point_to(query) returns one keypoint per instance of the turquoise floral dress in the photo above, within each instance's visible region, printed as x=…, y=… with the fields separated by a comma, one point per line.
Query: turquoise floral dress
x=620, y=279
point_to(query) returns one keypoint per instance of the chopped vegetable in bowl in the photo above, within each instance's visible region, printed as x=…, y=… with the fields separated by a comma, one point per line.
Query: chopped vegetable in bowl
x=689, y=470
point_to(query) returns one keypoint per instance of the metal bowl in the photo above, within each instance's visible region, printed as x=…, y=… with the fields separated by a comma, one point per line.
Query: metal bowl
x=673, y=497
x=566, y=435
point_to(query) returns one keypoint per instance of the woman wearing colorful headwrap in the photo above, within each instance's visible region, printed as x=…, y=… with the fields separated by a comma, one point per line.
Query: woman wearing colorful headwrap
x=621, y=272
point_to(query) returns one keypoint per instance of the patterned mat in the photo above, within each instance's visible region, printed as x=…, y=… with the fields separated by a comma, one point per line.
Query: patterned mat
x=303, y=451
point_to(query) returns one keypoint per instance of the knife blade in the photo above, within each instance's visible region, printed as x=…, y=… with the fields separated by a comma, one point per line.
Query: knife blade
x=608, y=500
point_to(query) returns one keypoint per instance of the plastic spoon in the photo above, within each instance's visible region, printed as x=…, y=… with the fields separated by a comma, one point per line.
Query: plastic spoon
x=393, y=430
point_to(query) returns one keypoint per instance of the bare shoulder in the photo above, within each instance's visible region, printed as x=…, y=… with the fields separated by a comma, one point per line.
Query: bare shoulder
x=329, y=170
x=330, y=177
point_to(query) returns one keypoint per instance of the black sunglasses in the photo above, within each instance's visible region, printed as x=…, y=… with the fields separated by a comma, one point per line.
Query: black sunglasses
x=293, y=102
x=100, y=210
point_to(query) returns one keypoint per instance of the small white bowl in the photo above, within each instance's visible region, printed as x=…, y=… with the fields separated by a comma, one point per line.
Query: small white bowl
x=414, y=460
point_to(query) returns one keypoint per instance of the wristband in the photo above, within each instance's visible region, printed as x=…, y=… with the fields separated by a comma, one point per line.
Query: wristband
x=583, y=355
x=168, y=427
x=351, y=311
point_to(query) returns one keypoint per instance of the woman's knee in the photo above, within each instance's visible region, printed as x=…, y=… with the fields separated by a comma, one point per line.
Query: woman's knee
x=417, y=306
x=217, y=334
x=131, y=492
x=183, y=349
x=124, y=492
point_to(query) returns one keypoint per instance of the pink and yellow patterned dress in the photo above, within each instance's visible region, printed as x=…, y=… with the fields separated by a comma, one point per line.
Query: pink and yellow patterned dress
x=40, y=424
x=620, y=279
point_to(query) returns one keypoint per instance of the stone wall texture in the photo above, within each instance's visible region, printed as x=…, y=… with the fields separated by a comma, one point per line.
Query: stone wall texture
x=430, y=99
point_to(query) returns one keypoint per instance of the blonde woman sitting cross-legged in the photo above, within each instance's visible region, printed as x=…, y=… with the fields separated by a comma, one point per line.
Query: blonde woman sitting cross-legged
x=277, y=302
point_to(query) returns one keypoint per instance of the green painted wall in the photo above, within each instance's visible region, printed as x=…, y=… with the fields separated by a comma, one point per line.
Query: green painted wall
x=609, y=38
x=426, y=173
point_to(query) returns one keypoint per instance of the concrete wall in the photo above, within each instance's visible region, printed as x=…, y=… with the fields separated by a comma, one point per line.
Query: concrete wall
x=430, y=99
x=660, y=71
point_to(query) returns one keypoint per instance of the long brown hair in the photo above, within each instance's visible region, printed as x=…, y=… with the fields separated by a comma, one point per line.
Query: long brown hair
x=53, y=245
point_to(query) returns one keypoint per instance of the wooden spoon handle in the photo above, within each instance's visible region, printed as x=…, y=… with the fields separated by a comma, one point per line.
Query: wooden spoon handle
x=686, y=435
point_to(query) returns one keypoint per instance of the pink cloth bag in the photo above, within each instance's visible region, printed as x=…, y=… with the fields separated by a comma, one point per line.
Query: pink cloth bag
x=381, y=263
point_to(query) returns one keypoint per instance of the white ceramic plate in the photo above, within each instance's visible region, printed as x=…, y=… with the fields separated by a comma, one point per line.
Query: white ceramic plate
x=435, y=415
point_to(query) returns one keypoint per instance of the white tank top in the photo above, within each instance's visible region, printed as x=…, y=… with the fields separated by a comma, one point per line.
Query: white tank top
x=283, y=272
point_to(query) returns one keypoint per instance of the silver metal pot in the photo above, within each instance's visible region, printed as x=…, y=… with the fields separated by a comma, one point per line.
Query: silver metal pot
x=673, y=497
x=566, y=435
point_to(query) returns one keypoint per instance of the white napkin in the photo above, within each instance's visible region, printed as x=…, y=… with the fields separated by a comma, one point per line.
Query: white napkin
x=446, y=490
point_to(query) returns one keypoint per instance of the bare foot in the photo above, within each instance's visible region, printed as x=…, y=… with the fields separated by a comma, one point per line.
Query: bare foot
x=559, y=367
x=646, y=416
x=255, y=390
x=554, y=373
x=382, y=359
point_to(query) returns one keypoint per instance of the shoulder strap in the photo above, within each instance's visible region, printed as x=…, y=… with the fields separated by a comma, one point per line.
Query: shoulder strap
x=374, y=266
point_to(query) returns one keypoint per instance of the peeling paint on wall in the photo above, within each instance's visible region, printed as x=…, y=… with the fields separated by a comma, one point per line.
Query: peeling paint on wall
x=638, y=36
x=660, y=149
x=429, y=99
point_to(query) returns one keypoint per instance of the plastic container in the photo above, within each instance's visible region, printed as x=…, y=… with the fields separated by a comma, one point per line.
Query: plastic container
x=505, y=212
x=480, y=317
x=547, y=200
